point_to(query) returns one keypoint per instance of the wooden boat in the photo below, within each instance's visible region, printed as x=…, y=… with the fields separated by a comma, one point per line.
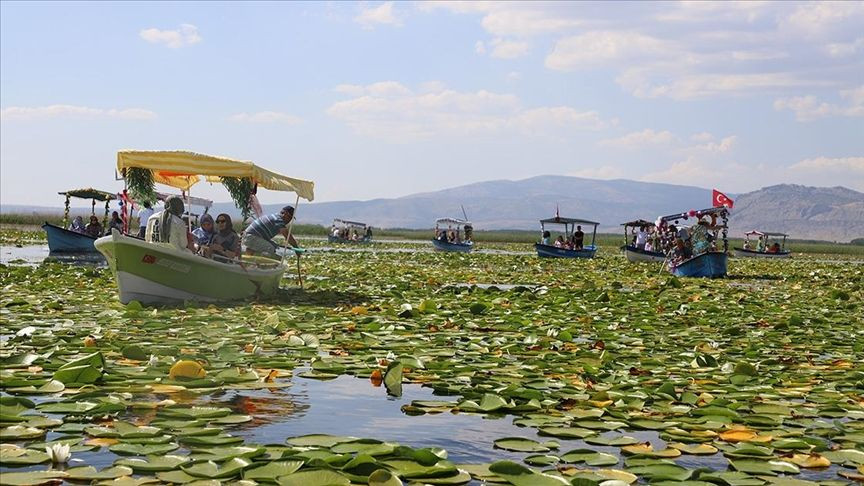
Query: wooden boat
x=462, y=235
x=62, y=240
x=763, y=249
x=706, y=258
x=362, y=230
x=153, y=272
x=634, y=253
x=570, y=225
x=710, y=264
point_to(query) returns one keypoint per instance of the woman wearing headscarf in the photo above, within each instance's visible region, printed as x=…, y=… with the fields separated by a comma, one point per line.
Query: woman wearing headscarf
x=115, y=222
x=77, y=225
x=171, y=228
x=226, y=241
x=205, y=232
x=94, y=227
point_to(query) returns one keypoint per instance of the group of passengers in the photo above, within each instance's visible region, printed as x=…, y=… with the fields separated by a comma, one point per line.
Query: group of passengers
x=683, y=243
x=575, y=241
x=94, y=228
x=762, y=246
x=646, y=238
x=451, y=235
x=350, y=234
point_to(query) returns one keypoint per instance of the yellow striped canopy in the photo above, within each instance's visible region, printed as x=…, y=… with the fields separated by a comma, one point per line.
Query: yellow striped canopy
x=181, y=169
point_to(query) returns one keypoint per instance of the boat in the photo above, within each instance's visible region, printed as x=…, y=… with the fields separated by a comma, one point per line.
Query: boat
x=151, y=272
x=634, y=253
x=763, y=249
x=63, y=240
x=458, y=239
x=570, y=226
x=707, y=258
x=347, y=230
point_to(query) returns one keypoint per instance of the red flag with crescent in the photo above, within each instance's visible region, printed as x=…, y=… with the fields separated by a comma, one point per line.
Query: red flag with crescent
x=718, y=200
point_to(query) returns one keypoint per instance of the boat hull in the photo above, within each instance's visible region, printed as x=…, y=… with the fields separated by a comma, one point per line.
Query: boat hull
x=61, y=240
x=549, y=251
x=634, y=255
x=152, y=273
x=336, y=239
x=711, y=265
x=742, y=253
x=447, y=246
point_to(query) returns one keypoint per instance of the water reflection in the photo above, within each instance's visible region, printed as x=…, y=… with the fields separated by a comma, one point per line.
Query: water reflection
x=37, y=254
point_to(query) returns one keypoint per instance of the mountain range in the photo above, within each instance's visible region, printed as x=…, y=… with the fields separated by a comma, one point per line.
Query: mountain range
x=823, y=213
x=819, y=213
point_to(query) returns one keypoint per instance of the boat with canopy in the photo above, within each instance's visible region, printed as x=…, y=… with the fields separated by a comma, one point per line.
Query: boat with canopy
x=697, y=250
x=458, y=236
x=763, y=249
x=570, y=245
x=64, y=240
x=636, y=251
x=344, y=231
x=152, y=272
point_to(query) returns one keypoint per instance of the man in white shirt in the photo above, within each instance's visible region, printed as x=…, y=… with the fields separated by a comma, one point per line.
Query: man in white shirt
x=144, y=213
x=168, y=227
x=641, y=239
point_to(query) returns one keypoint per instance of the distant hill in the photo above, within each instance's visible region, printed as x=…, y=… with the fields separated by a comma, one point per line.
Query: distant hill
x=824, y=213
x=821, y=213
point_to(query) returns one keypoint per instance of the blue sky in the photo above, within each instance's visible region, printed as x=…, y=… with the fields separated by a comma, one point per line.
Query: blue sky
x=377, y=99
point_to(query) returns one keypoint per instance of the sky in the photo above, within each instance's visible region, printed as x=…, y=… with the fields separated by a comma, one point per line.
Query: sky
x=385, y=99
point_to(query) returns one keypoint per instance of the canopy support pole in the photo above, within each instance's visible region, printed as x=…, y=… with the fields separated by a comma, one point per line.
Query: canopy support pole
x=594, y=237
x=66, y=214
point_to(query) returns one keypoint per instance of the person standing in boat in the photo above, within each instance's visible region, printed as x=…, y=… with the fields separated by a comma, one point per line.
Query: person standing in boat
x=578, y=238
x=258, y=237
x=641, y=238
x=144, y=213
x=167, y=226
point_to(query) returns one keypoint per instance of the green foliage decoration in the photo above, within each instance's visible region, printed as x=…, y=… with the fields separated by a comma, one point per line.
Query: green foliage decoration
x=141, y=185
x=240, y=189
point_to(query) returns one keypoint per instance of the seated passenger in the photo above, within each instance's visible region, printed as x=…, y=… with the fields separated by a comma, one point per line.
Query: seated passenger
x=775, y=248
x=167, y=226
x=368, y=235
x=94, y=227
x=77, y=225
x=746, y=244
x=205, y=232
x=225, y=241
x=559, y=242
x=115, y=223
x=546, y=236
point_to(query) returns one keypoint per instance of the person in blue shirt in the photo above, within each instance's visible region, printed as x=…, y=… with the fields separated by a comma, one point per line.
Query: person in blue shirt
x=205, y=232
x=258, y=236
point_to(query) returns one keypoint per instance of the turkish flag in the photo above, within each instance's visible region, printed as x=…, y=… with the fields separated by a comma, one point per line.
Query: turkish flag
x=718, y=199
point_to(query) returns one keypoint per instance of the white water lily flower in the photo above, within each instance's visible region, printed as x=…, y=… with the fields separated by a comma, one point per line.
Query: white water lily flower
x=727, y=367
x=257, y=351
x=59, y=453
x=153, y=361
x=552, y=332
x=390, y=356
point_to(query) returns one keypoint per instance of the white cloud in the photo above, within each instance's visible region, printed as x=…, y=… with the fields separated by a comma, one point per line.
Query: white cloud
x=265, y=117
x=724, y=145
x=505, y=49
x=641, y=140
x=849, y=165
x=818, y=18
x=708, y=172
x=73, y=111
x=604, y=47
x=514, y=76
x=523, y=22
x=845, y=49
x=649, y=84
x=809, y=108
x=380, y=15
x=400, y=113
x=186, y=34
x=480, y=48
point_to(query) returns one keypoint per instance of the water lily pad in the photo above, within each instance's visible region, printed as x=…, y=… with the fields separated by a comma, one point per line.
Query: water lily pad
x=520, y=444
x=272, y=470
x=31, y=477
x=316, y=477
x=91, y=473
x=153, y=463
x=519, y=475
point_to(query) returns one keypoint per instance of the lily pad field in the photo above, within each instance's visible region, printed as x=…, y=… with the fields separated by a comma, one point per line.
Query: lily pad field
x=398, y=365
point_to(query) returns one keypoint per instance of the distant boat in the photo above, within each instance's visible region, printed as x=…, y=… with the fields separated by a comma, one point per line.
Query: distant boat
x=63, y=240
x=707, y=259
x=547, y=249
x=633, y=252
x=362, y=231
x=763, y=249
x=458, y=239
